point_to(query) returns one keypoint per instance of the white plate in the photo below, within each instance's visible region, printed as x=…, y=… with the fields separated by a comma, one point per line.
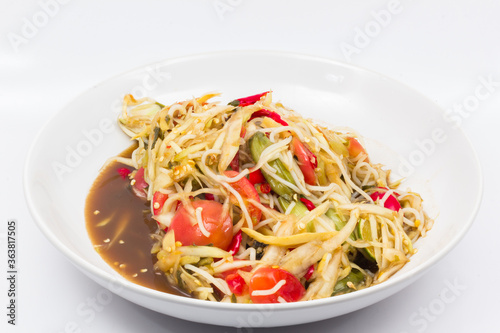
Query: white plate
x=406, y=131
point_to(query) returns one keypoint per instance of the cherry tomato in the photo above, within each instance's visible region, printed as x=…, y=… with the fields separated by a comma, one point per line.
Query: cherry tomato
x=355, y=148
x=188, y=232
x=391, y=202
x=247, y=191
x=158, y=201
x=266, y=278
x=307, y=161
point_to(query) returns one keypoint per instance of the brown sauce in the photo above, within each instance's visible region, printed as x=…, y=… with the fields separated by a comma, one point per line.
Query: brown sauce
x=120, y=231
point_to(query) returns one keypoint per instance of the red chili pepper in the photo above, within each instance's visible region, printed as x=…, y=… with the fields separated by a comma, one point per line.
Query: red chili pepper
x=244, y=101
x=235, y=243
x=209, y=196
x=159, y=199
x=309, y=272
x=235, y=163
x=271, y=114
x=124, y=172
x=243, y=132
x=265, y=188
x=309, y=205
x=236, y=284
x=256, y=177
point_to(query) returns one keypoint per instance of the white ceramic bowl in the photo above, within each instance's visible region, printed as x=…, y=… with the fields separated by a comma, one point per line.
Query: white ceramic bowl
x=404, y=130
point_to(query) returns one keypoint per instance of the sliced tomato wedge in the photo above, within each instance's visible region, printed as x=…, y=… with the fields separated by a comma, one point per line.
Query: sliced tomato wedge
x=140, y=183
x=265, y=279
x=307, y=160
x=247, y=191
x=355, y=148
x=159, y=199
x=219, y=227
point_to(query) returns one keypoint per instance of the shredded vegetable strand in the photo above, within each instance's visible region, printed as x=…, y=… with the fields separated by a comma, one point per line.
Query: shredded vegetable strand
x=263, y=187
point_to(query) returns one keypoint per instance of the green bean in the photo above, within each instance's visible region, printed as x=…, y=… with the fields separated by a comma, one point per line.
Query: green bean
x=259, y=142
x=332, y=215
x=298, y=210
x=355, y=277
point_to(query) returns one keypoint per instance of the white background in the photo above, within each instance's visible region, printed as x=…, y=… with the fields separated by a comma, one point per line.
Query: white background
x=444, y=49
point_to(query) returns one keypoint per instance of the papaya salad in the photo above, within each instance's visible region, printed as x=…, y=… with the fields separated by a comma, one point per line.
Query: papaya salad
x=256, y=204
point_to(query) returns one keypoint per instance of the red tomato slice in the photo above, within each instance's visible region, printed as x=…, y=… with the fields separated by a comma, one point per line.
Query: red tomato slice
x=266, y=278
x=247, y=191
x=220, y=227
x=158, y=201
x=391, y=202
x=140, y=184
x=307, y=161
x=355, y=148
